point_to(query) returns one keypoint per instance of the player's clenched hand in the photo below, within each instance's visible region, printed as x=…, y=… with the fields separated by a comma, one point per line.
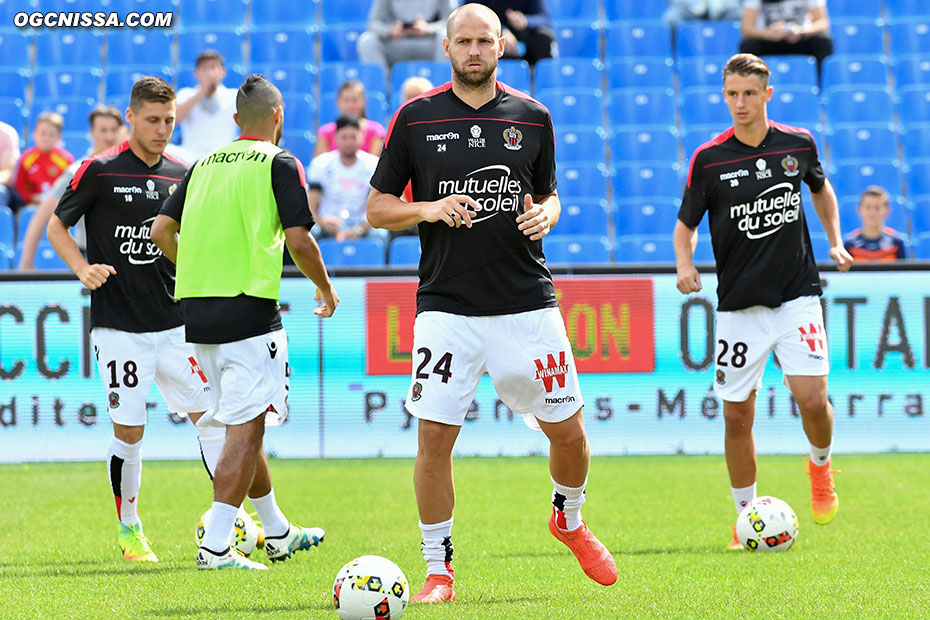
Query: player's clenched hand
x=93, y=276
x=454, y=210
x=533, y=221
x=330, y=300
x=689, y=280
x=842, y=258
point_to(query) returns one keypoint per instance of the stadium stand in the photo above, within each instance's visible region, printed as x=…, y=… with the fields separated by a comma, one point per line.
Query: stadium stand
x=73, y=48
x=337, y=12
x=339, y=42
x=639, y=40
x=435, y=72
x=576, y=249
x=863, y=144
x=642, y=181
x=646, y=216
x=512, y=71
x=855, y=105
x=282, y=46
x=915, y=142
x=907, y=8
x=911, y=70
x=788, y=71
x=583, y=181
x=644, y=145
x=850, y=220
x=191, y=43
x=132, y=51
x=74, y=83
x=578, y=147
x=654, y=110
x=859, y=37
x=582, y=217
x=13, y=83
x=573, y=11
x=578, y=41
x=634, y=11
x=277, y=14
x=573, y=109
x=352, y=253
x=575, y=74
x=910, y=37
x=333, y=74
x=702, y=38
x=639, y=74
x=645, y=249
x=404, y=252
x=218, y=15
x=841, y=71
x=288, y=78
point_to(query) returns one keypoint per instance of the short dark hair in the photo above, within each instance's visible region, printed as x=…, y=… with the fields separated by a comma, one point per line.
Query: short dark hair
x=256, y=99
x=348, y=120
x=150, y=88
x=105, y=111
x=207, y=55
x=747, y=64
x=875, y=191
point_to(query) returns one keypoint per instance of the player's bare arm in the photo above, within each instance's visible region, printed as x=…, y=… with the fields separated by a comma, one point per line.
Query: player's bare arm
x=165, y=235
x=306, y=254
x=390, y=212
x=683, y=240
x=827, y=210
x=91, y=276
x=540, y=215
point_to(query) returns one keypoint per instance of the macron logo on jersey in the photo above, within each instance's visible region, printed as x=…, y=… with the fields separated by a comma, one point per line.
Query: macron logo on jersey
x=127, y=190
x=439, y=137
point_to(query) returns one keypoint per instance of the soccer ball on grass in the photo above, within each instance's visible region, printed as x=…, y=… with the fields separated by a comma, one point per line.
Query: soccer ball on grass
x=767, y=524
x=370, y=588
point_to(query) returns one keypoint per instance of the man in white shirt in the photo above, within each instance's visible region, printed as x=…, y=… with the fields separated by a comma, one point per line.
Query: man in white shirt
x=205, y=113
x=339, y=187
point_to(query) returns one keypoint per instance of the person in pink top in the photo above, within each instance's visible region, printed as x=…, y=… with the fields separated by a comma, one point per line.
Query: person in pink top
x=351, y=102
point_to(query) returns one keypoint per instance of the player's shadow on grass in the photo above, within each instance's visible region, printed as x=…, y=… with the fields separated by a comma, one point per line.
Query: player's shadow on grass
x=247, y=610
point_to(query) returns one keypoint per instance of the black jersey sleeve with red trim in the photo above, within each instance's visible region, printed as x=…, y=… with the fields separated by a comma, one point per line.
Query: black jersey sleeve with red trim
x=394, y=169
x=173, y=206
x=544, y=181
x=696, y=199
x=815, y=177
x=81, y=194
x=290, y=191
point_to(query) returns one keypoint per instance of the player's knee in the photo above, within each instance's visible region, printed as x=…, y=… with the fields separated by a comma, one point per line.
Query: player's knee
x=128, y=434
x=571, y=436
x=435, y=440
x=738, y=421
x=812, y=403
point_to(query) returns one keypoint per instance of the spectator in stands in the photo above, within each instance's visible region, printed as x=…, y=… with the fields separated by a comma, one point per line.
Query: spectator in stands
x=874, y=242
x=414, y=87
x=338, y=185
x=40, y=165
x=401, y=30
x=679, y=11
x=773, y=27
x=105, y=123
x=9, y=156
x=205, y=113
x=527, y=22
x=351, y=102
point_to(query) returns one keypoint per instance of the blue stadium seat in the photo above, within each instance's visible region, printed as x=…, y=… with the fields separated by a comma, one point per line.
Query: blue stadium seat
x=68, y=48
x=857, y=37
x=435, y=72
x=792, y=71
x=229, y=44
x=907, y=8
x=918, y=178
x=511, y=71
x=704, y=250
x=910, y=37
x=67, y=83
x=850, y=179
x=701, y=72
x=142, y=6
x=619, y=10
x=74, y=111
x=13, y=112
x=638, y=40
x=339, y=12
x=646, y=217
x=7, y=227
x=13, y=83
x=582, y=181
x=844, y=9
x=118, y=83
x=353, y=253
x=23, y=217
x=704, y=107
x=820, y=246
x=694, y=137
x=850, y=220
x=277, y=14
x=645, y=249
x=299, y=112
x=12, y=49
x=862, y=144
x=647, y=181
x=575, y=147
x=340, y=42
x=919, y=210
x=47, y=259
x=859, y=105
x=333, y=74
x=653, y=109
x=377, y=107
x=640, y=74
x=911, y=71
x=135, y=50
x=288, y=78
x=300, y=144
x=76, y=142
x=914, y=105
x=916, y=142
x=845, y=72
x=571, y=109
x=576, y=249
x=707, y=39
x=404, y=251
x=795, y=106
x=578, y=41
x=282, y=46
x=582, y=217
x=643, y=145
x=573, y=11
x=569, y=73
x=212, y=15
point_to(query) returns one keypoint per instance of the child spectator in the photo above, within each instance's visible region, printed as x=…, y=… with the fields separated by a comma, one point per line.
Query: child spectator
x=874, y=242
x=40, y=165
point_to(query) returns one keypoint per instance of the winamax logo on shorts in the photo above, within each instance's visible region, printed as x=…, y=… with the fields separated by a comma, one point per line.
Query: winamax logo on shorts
x=768, y=212
x=492, y=187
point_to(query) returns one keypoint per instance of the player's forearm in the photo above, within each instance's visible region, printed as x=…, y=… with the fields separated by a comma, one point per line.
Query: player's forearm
x=748, y=28
x=306, y=254
x=185, y=108
x=164, y=235
x=829, y=213
x=683, y=241
x=390, y=212
x=553, y=207
x=819, y=23
x=67, y=248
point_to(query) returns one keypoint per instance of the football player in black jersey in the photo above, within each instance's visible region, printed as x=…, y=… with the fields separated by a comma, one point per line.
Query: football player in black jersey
x=748, y=181
x=480, y=159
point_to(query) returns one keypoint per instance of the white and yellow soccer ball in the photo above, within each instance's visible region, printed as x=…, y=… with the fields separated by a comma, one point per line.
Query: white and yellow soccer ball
x=370, y=588
x=767, y=524
x=244, y=536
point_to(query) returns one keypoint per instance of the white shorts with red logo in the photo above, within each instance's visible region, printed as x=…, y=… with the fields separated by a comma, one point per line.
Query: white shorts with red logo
x=794, y=330
x=527, y=355
x=128, y=362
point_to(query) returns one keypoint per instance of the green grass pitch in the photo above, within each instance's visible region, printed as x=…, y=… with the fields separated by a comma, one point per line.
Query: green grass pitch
x=666, y=519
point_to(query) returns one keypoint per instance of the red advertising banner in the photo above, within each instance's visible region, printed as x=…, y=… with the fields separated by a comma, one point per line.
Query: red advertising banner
x=609, y=323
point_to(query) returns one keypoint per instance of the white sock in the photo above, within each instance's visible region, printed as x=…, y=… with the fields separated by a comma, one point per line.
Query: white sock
x=273, y=520
x=743, y=496
x=212, y=439
x=820, y=456
x=124, y=466
x=218, y=527
x=437, y=547
x=567, y=502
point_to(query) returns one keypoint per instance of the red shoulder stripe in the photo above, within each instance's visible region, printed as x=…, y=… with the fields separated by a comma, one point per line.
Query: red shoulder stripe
x=720, y=139
x=110, y=152
x=300, y=171
x=429, y=93
x=789, y=128
x=174, y=159
x=522, y=95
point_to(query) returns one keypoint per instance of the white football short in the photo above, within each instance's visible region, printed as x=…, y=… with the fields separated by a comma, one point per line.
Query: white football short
x=248, y=377
x=794, y=330
x=527, y=355
x=128, y=362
